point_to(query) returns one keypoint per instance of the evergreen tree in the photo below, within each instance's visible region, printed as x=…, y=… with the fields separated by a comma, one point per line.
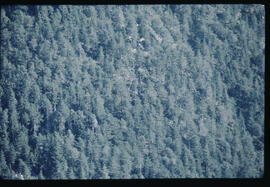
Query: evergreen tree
x=4, y=140
x=4, y=170
x=22, y=169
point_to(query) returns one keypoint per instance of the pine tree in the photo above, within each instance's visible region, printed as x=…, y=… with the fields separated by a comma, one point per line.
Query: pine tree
x=82, y=166
x=40, y=175
x=55, y=166
x=114, y=168
x=104, y=173
x=4, y=140
x=4, y=171
x=126, y=165
x=22, y=144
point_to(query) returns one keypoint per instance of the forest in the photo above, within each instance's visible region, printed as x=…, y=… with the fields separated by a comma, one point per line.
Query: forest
x=132, y=91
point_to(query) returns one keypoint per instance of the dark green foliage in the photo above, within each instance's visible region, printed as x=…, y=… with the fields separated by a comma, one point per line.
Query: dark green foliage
x=140, y=91
x=5, y=172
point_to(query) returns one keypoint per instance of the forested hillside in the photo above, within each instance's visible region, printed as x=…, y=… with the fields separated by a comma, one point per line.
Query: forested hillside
x=132, y=91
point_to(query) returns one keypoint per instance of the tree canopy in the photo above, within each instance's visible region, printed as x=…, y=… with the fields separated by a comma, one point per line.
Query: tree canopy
x=132, y=91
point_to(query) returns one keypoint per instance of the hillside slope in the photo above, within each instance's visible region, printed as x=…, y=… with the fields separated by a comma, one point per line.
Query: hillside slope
x=141, y=91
